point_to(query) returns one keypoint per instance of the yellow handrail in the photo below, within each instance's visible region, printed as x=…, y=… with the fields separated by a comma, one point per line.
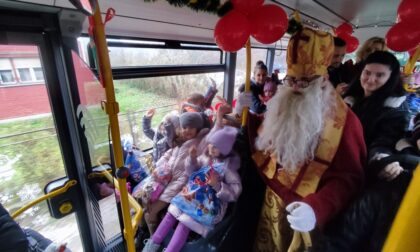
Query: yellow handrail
x=112, y=109
x=405, y=230
x=247, y=80
x=133, y=202
x=52, y=194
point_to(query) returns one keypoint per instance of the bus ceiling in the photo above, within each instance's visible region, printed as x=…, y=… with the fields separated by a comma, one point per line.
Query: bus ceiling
x=160, y=20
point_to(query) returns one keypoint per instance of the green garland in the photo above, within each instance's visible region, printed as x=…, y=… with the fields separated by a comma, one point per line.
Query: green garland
x=210, y=6
x=294, y=26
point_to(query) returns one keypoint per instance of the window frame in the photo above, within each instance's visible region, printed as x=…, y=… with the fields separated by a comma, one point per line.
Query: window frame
x=3, y=83
x=20, y=75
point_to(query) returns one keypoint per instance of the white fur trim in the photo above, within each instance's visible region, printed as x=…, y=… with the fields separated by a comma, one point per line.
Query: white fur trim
x=188, y=221
x=402, y=144
x=349, y=100
x=394, y=102
x=378, y=156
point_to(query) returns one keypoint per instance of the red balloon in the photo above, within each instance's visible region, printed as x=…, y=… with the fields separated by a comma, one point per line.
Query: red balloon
x=409, y=10
x=232, y=31
x=344, y=28
x=268, y=23
x=246, y=6
x=351, y=43
x=403, y=37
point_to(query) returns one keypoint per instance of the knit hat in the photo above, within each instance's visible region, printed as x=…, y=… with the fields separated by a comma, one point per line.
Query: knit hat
x=191, y=120
x=224, y=139
x=270, y=86
x=309, y=53
x=173, y=118
x=416, y=128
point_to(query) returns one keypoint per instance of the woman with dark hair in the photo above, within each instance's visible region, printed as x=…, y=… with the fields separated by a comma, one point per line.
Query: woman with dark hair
x=378, y=99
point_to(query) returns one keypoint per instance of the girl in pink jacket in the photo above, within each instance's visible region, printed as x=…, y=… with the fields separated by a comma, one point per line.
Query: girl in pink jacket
x=169, y=174
x=213, y=181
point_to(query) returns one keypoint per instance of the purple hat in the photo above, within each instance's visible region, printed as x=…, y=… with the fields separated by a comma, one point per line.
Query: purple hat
x=223, y=139
x=191, y=120
x=270, y=86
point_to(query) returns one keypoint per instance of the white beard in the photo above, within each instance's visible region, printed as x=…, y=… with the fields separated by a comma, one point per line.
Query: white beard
x=294, y=122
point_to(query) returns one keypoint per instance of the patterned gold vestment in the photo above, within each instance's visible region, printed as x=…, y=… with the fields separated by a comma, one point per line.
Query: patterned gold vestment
x=273, y=232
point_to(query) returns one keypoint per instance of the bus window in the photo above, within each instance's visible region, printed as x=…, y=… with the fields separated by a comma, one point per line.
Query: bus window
x=165, y=93
x=280, y=63
x=122, y=57
x=94, y=122
x=30, y=154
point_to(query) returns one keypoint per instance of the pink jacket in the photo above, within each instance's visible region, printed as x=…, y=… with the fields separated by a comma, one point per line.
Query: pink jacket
x=175, y=158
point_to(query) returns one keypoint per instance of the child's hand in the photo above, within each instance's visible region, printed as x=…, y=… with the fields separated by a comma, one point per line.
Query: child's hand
x=225, y=109
x=213, y=178
x=150, y=113
x=213, y=83
x=193, y=152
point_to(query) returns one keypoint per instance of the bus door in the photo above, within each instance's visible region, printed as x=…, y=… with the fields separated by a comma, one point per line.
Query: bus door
x=42, y=142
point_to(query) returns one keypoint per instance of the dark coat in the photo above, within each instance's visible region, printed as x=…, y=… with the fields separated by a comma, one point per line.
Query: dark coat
x=385, y=127
x=343, y=73
x=365, y=225
x=12, y=237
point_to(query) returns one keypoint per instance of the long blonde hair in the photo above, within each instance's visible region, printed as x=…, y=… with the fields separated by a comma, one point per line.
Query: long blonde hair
x=366, y=48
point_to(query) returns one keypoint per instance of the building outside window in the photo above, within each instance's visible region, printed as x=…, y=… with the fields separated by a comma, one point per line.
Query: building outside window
x=39, y=75
x=24, y=74
x=6, y=76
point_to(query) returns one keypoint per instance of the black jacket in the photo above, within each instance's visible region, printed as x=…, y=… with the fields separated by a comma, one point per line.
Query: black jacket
x=257, y=105
x=12, y=237
x=365, y=225
x=385, y=127
x=343, y=73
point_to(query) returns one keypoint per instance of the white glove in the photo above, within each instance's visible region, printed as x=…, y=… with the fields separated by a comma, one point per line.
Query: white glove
x=244, y=100
x=302, y=216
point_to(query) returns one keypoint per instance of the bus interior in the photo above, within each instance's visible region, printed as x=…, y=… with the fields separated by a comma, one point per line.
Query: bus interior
x=55, y=134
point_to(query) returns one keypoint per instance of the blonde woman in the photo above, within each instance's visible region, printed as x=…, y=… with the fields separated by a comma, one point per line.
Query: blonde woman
x=371, y=45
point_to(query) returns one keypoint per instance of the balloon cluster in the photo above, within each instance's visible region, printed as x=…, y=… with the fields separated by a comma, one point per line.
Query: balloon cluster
x=266, y=23
x=405, y=34
x=344, y=32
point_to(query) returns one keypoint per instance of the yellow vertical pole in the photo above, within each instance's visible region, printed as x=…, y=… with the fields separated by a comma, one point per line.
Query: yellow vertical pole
x=247, y=80
x=405, y=231
x=408, y=69
x=112, y=109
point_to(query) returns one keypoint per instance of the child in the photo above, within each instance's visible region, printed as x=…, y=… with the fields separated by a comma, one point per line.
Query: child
x=163, y=138
x=213, y=182
x=170, y=169
x=270, y=88
x=197, y=102
x=257, y=86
